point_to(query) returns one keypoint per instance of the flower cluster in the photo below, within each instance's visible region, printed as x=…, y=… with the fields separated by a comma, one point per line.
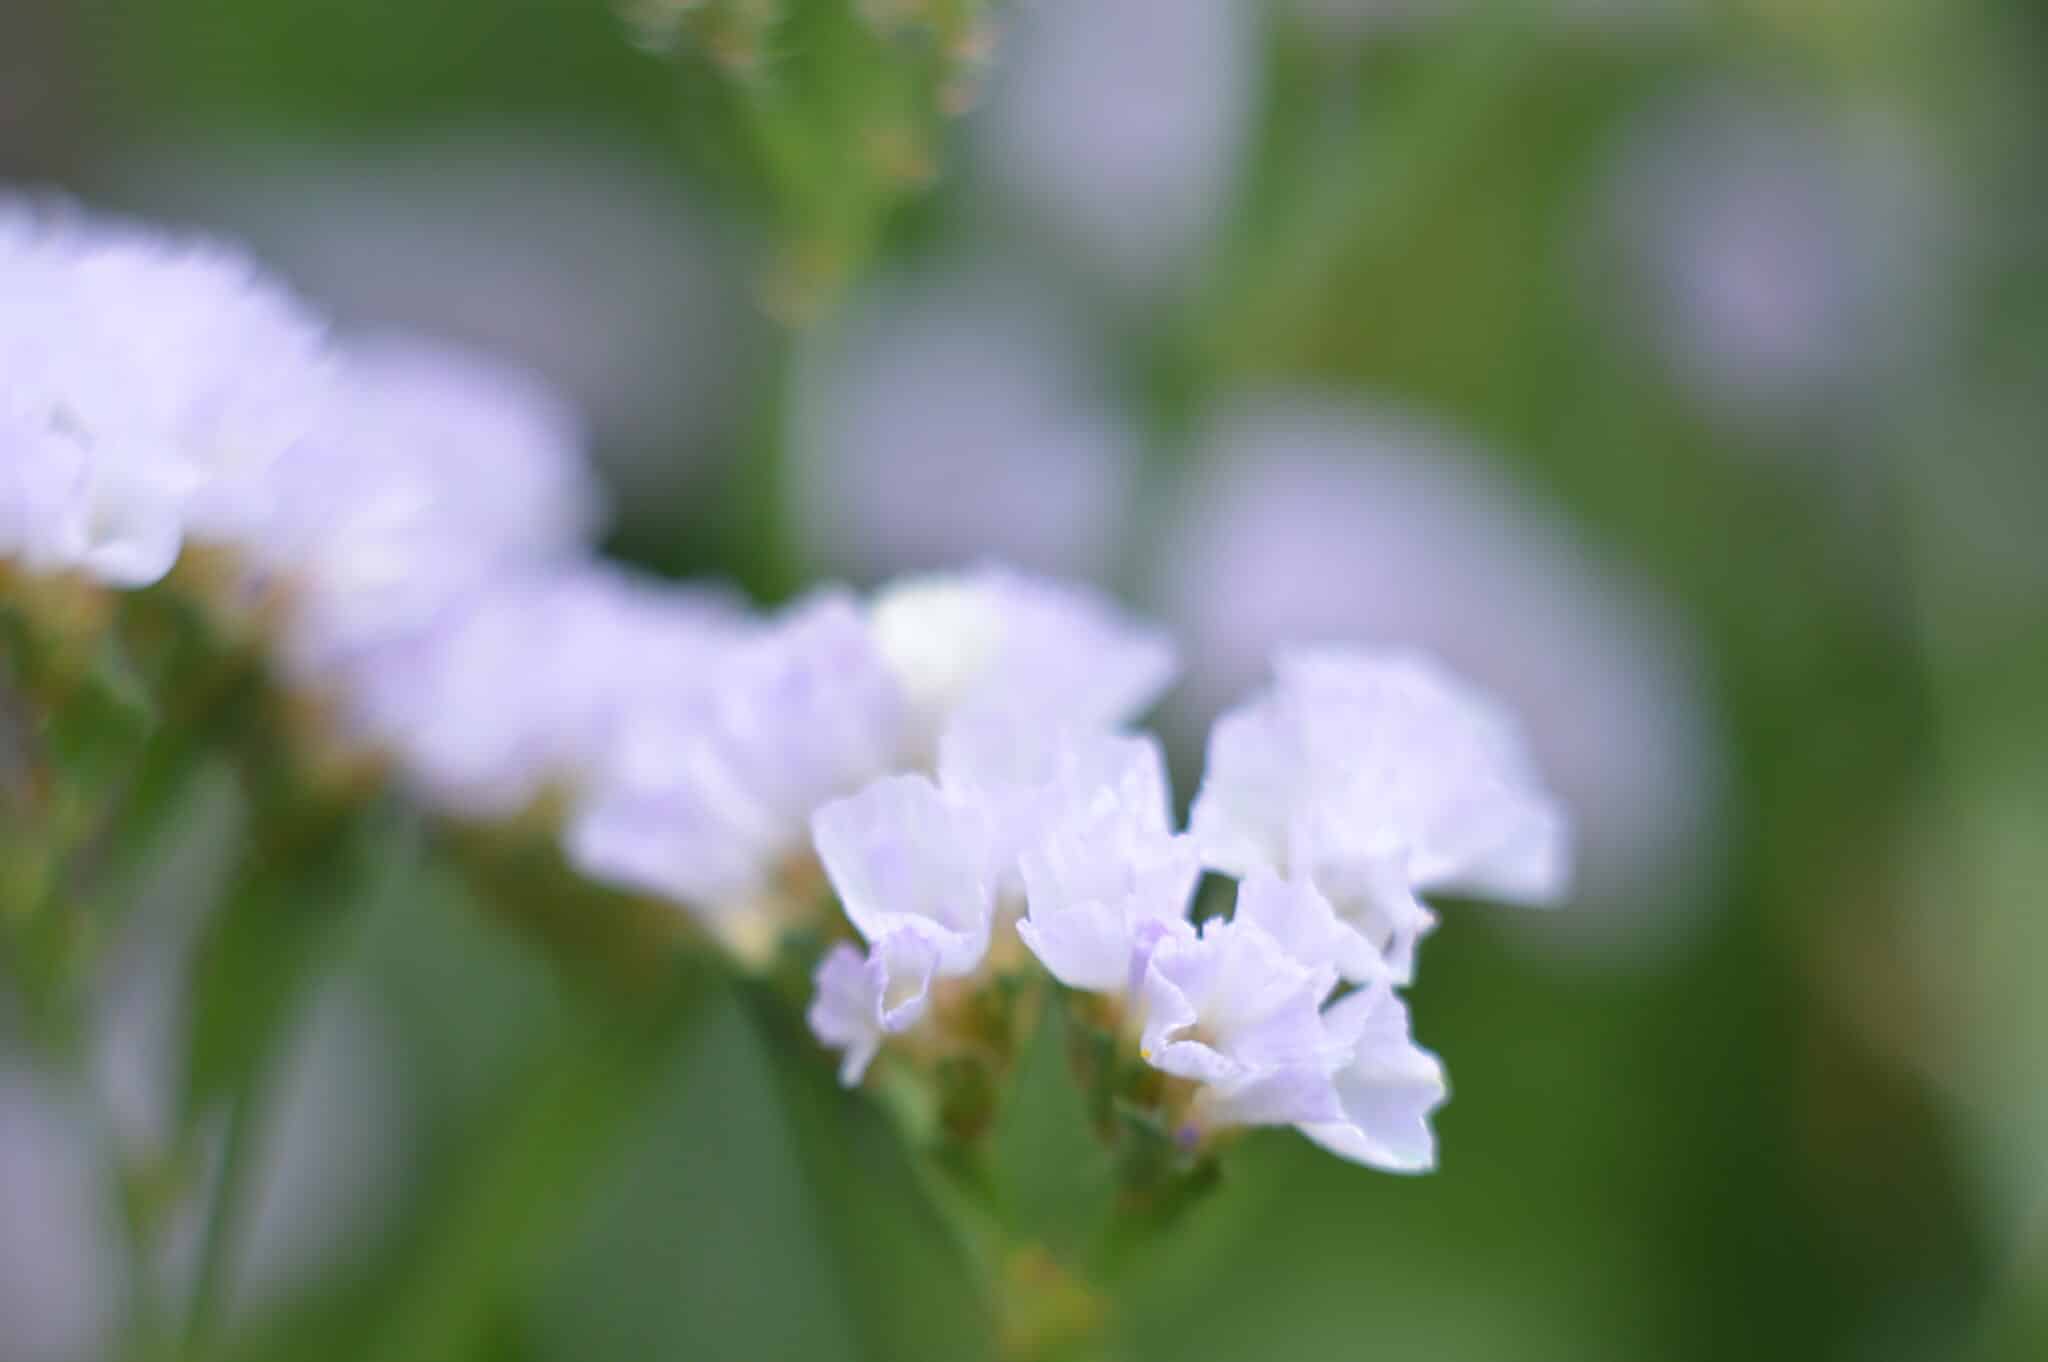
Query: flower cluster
x=1357, y=782
x=947, y=759
x=706, y=796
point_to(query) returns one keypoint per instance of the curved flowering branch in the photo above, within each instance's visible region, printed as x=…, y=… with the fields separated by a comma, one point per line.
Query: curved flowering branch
x=925, y=807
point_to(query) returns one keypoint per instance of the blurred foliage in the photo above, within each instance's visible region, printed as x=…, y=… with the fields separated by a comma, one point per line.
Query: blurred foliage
x=1709, y=1156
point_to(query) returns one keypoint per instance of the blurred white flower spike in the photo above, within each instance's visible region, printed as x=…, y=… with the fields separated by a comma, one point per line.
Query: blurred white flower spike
x=1378, y=777
x=707, y=789
x=524, y=686
x=708, y=795
x=148, y=382
x=443, y=474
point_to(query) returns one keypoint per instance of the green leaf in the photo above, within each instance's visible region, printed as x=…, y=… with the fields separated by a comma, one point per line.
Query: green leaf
x=508, y=1206
x=907, y=1291
x=1056, y=1178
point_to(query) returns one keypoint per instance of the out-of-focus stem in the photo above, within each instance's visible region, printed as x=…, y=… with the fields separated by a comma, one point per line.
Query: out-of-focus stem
x=226, y=1220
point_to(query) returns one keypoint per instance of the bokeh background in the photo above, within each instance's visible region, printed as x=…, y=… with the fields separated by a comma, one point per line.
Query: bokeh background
x=1678, y=369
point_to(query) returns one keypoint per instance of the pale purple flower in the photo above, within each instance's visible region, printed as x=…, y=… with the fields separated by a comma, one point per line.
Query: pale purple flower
x=709, y=785
x=1312, y=518
x=1024, y=776
x=1079, y=818
x=1376, y=777
x=147, y=382
x=440, y=474
x=526, y=685
x=905, y=858
x=1297, y=915
x=1234, y=1012
x=1387, y=1089
x=46, y=511
x=580, y=258
x=1239, y=1012
x=991, y=645
x=1105, y=875
x=863, y=999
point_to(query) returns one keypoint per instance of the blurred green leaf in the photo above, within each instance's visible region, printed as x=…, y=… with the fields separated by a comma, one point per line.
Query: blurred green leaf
x=504, y=1210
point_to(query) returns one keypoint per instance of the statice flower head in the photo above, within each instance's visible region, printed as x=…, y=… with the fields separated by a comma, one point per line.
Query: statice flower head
x=706, y=793
x=1378, y=777
x=1073, y=822
x=991, y=645
x=150, y=381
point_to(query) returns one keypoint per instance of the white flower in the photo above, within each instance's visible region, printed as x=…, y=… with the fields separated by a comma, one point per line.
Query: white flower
x=146, y=384
x=709, y=788
x=464, y=233
x=709, y=795
x=990, y=644
x=1023, y=776
x=1240, y=1013
x=526, y=684
x=503, y=450
x=1329, y=520
x=862, y=999
x=440, y=474
x=1297, y=915
x=1387, y=1089
x=904, y=858
x=1105, y=876
x=1375, y=777
x=45, y=507
x=1233, y=1011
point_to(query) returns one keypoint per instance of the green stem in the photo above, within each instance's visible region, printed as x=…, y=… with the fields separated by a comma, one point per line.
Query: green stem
x=226, y=1219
